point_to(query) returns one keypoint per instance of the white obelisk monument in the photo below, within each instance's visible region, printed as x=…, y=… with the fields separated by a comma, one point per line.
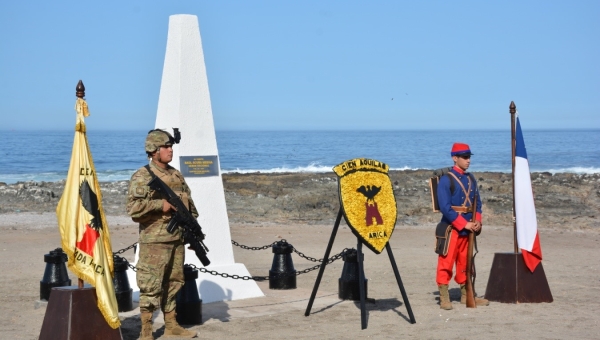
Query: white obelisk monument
x=184, y=103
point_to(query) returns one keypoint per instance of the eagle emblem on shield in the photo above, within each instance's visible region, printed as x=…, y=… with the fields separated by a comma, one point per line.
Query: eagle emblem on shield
x=367, y=199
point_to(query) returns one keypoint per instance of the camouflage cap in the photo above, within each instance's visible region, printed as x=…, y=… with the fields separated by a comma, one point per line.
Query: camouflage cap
x=157, y=138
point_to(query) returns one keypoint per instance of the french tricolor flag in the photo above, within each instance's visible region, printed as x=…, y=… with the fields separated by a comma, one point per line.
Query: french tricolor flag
x=527, y=233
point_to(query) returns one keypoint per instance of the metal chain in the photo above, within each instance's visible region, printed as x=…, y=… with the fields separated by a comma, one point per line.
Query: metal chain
x=264, y=278
x=255, y=278
x=124, y=259
x=272, y=244
x=329, y=261
x=125, y=249
x=117, y=253
x=254, y=248
x=308, y=257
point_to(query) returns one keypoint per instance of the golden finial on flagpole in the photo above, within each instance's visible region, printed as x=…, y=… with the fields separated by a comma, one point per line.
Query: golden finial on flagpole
x=80, y=107
x=80, y=89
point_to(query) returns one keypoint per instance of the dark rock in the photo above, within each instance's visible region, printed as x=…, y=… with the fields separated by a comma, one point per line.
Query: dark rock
x=312, y=198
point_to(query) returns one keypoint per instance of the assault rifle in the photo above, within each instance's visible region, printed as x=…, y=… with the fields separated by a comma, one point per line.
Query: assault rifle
x=191, y=229
x=470, y=261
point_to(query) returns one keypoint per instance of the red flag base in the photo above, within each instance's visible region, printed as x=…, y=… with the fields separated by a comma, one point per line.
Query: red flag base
x=72, y=313
x=511, y=282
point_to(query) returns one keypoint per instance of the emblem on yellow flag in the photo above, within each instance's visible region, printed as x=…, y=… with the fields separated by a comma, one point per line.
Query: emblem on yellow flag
x=368, y=201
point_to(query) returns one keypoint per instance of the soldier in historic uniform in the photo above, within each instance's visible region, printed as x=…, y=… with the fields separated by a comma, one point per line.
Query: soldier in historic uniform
x=161, y=258
x=455, y=206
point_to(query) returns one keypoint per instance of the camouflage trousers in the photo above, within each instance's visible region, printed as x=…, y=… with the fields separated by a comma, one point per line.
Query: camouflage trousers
x=160, y=275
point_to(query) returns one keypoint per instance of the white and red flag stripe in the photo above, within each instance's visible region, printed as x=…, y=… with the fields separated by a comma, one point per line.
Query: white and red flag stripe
x=527, y=233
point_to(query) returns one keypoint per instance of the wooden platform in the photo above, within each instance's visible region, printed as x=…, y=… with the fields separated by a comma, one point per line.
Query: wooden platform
x=511, y=282
x=72, y=314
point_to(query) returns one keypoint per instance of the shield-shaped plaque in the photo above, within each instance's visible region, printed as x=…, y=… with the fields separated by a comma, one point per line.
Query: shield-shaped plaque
x=368, y=201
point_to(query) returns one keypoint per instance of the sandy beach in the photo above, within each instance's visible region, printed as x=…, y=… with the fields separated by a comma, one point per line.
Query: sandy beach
x=569, y=232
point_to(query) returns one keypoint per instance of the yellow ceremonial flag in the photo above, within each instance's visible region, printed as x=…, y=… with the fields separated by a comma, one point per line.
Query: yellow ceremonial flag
x=82, y=224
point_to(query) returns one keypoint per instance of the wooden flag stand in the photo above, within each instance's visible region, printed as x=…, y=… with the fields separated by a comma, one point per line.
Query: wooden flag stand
x=72, y=313
x=510, y=281
x=361, y=279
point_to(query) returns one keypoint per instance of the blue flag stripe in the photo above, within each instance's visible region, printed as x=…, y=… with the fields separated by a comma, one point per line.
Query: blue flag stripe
x=520, y=148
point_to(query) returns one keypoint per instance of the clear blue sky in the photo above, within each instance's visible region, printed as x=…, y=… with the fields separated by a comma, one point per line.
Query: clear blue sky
x=309, y=64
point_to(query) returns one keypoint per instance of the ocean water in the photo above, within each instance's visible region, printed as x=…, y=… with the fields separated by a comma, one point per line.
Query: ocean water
x=45, y=155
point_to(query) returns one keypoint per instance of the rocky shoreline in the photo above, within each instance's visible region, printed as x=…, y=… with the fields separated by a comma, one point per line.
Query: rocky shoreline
x=563, y=200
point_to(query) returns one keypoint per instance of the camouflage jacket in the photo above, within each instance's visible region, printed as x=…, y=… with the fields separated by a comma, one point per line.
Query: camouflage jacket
x=145, y=205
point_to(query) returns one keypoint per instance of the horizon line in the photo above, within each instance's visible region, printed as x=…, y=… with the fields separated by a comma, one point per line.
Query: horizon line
x=311, y=130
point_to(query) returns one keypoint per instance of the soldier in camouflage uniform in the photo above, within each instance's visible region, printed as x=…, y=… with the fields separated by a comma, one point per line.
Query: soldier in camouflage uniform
x=160, y=265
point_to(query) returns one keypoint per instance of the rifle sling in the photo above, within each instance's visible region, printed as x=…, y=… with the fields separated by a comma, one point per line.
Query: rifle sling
x=147, y=166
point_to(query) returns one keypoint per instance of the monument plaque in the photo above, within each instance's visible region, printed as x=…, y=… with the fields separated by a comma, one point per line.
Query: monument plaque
x=199, y=166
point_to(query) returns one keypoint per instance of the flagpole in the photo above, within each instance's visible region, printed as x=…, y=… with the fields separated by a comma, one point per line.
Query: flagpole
x=510, y=280
x=513, y=111
x=80, y=93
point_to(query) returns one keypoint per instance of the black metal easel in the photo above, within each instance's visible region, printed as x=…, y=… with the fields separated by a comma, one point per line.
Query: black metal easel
x=360, y=257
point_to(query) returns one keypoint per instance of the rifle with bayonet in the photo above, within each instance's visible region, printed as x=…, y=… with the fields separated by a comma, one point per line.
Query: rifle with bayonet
x=471, y=260
x=190, y=228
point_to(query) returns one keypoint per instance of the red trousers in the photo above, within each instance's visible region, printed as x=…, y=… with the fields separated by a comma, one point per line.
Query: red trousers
x=457, y=253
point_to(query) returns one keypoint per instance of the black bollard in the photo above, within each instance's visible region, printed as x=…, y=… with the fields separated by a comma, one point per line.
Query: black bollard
x=282, y=274
x=189, y=305
x=55, y=274
x=123, y=290
x=348, y=284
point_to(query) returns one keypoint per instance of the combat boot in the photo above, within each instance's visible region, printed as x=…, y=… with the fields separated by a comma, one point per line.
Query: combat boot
x=444, y=297
x=146, y=333
x=478, y=301
x=172, y=328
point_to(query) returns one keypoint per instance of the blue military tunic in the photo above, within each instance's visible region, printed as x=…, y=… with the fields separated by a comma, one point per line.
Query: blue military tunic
x=447, y=199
